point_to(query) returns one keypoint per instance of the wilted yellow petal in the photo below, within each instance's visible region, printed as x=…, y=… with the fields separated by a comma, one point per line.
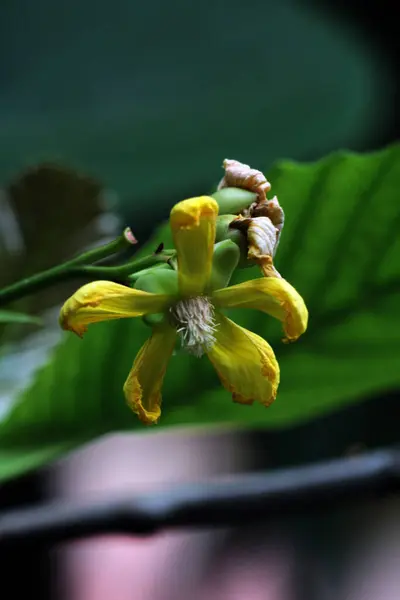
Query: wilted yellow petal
x=104, y=300
x=245, y=363
x=273, y=296
x=193, y=228
x=142, y=389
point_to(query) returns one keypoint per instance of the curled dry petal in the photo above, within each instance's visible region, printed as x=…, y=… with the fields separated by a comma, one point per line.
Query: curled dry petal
x=243, y=176
x=261, y=237
x=273, y=211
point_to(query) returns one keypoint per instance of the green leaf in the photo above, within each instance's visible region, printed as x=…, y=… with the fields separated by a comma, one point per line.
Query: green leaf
x=340, y=248
x=9, y=316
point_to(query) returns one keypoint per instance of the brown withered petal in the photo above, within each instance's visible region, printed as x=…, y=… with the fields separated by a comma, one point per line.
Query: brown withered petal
x=273, y=210
x=239, y=175
x=261, y=236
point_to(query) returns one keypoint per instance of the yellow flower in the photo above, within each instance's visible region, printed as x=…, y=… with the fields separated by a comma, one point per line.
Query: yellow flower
x=245, y=363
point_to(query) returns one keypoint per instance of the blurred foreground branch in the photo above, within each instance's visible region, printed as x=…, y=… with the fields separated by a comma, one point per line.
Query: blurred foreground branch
x=242, y=500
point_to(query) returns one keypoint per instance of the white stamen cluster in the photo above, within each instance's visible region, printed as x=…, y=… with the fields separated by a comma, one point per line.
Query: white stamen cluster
x=195, y=323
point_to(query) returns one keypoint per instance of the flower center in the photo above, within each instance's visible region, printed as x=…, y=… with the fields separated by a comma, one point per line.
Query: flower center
x=195, y=323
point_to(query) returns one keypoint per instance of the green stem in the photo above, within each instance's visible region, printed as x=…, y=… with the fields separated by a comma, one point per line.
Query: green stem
x=123, y=271
x=79, y=267
x=125, y=240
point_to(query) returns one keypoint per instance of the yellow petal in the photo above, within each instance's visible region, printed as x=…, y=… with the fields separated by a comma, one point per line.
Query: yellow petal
x=245, y=363
x=271, y=295
x=142, y=389
x=104, y=300
x=193, y=228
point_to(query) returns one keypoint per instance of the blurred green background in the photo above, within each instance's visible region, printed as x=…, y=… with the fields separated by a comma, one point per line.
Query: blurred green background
x=132, y=108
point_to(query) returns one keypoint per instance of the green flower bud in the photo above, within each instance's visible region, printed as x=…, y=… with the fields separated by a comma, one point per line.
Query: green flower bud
x=159, y=281
x=222, y=230
x=233, y=200
x=225, y=232
x=225, y=260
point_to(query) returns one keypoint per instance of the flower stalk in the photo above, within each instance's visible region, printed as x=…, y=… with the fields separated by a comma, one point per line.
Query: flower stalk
x=82, y=266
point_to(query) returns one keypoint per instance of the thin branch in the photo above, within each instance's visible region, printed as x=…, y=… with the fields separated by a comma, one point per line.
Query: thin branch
x=237, y=502
x=82, y=266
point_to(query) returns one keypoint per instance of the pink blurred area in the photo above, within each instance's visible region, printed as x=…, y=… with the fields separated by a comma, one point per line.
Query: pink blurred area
x=178, y=565
x=250, y=563
x=374, y=573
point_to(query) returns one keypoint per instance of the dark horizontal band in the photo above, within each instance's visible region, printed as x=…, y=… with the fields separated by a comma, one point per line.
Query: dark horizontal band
x=216, y=503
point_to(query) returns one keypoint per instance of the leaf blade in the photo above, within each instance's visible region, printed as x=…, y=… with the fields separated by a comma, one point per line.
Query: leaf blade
x=350, y=350
x=9, y=316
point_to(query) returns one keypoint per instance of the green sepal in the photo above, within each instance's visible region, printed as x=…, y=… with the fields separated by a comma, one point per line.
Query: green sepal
x=225, y=260
x=159, y=281
x=153, y=319
x=160, y=267
x=232, y=200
